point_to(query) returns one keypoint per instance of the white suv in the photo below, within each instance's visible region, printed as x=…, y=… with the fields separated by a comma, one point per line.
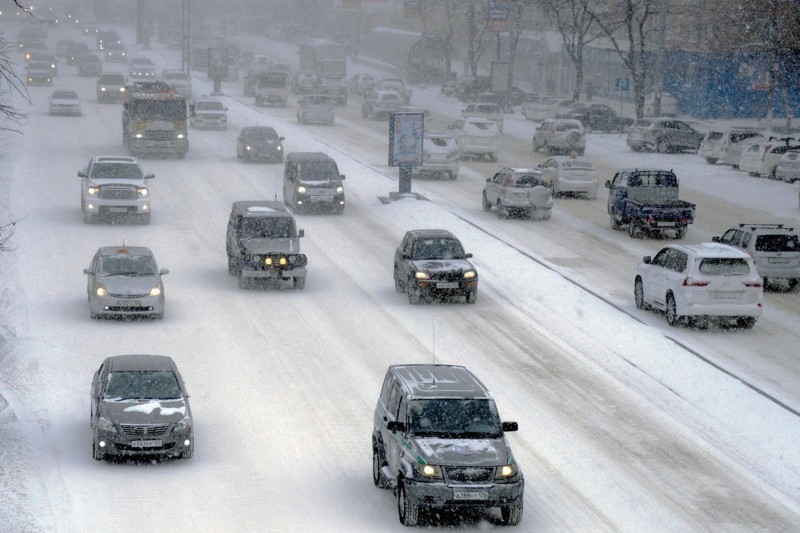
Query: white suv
x=114, y=186
x=560, y=135
x=775, y=250
x=695, y=282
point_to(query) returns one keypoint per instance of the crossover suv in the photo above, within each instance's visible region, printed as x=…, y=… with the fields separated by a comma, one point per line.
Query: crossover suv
x=110, y=87
x=699, y=282
x=380, y=104
x=562, y=135
x=572, y=175
x=439, y=156
x=125, y=281
x=476, y=137
x=485, y=110
x=140, y=407
x=114, y=186
x=316, y=109
x=663, y=135
x=431, y=263
x=259, y=143
x=775, y=250
x=311, y=182
x=523, y=192
x=263, y=244
x=439, y=442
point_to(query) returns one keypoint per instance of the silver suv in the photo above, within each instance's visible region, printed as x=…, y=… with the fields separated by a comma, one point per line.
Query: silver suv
x=775, y=249
x=114, y=185
x=519, y=191
x=438, y=441
x=560, y=135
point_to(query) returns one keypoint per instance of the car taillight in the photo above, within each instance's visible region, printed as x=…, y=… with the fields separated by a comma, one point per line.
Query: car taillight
x=752, y=284
x=691, y=282
x=766, y=151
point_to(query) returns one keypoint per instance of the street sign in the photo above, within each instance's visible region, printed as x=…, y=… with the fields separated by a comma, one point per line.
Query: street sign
x=622, y=84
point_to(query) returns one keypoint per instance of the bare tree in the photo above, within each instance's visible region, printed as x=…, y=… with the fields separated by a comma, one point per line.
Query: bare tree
x=10, y=83
x=575, y=23
x=477, y=24
x=630, y=18
x=516, y=24
x=6, y=232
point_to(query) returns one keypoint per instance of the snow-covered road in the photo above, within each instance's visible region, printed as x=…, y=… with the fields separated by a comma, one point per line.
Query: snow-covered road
x=625, y=423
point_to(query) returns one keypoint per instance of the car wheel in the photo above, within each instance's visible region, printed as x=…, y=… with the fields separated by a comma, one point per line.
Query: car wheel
x=412, y=290
x=399, y=286
x=792, y=284
x=746, y=322
x=614, y=222
x=299, y=283
x=662, y=147
x=453, y=176
x=711, y=160
x=511, y=514
x=672, y=314
x=680, y=233
x=485, y=203
x=233, y=266
x=502, y=212
x=638, y=295
x=378, y=463
x=700, y=321
x=492, y=157
x=407, y=511
x=88, y=218
x=145, y=219
x=188, y=453
x=97, y=455
x=472, y=296
x=243, y=282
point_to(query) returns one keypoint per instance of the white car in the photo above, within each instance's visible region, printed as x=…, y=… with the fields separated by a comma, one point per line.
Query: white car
x=716, y=143
x=571, y=175
x=788, y=167
x=539, y=108
x=698, y=282
x=476, y=137
x=439, y=156
x=485, y=110
x=179, y=81
x=761, y=158
x=564, y=135
x=209, y=113
x=65, y=102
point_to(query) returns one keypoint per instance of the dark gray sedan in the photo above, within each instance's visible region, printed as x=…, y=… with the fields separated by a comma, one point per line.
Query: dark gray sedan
x=125, y=281
x=140, y=407
x=259, y=143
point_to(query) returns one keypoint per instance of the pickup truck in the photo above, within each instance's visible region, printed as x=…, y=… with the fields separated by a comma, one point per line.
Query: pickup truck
x=646, y=200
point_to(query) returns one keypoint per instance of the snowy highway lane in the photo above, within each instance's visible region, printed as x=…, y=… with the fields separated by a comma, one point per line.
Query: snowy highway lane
x=620, y=428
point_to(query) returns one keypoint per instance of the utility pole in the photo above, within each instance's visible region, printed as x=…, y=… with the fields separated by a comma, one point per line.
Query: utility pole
x=660, y=55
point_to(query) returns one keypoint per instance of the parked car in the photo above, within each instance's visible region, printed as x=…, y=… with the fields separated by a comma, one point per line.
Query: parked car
x=663, y=135
x=380, y=104
x=564, y=135
x=699, y=282
x=305, y=82
x=773, y=150
x=110, y=86
x=788, y=167
x=734, y=150
x=64, y=102
x=485, y=110
x=258, y=143
x=569, y=174
x=775, y=250
x=140, y=407
x=468, y=87
x=89, y=65
x=361, y=83
x=597, y=117
x=114, y=186
x=523, y=192
x=125, y=281
x=439, y=156
x=208, y=113
x=431, y=263
x=716, y=143
x=439, y=443
x=312, y=182
x=476, y=137
x=316, y=109
x=263, y=244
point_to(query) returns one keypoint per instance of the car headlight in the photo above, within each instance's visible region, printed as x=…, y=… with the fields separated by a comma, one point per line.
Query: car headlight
x=184, y=424
x=93, y=190
x=122, y=89
x=142, y=191
x=427, y=472
x=101, y=291
x=421, y=275
x=279, y=148
x=301, y=189
x=339, y=189
x=155, y=291
x=104, y=424
x=506, y=473
x=180, y=136
x=469, y=274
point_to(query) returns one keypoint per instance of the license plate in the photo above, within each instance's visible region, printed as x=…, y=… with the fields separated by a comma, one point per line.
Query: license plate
x=463, y=495
x=129, y=303
x=666, y=224
x=322, y=199
x=778, y=260
x=146, y=444
x=725, y=296
x=447, y=285
x=117, y=209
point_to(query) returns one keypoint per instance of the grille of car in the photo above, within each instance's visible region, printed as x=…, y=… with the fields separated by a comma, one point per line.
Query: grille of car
x=159, y=134
x=120, y=295
x=449, y=275
x=133, y=430
x=118, y=193
x=470, y=474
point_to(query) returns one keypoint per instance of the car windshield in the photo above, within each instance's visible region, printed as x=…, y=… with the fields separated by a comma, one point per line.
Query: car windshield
x=65, y=95
x=484, y=126
x=167, y=110
x=127, y=265
x=267, y=228
x=262, y=134
x=175, y=76
x=116, y=171
x=529, y=181
x=437, y=248
x=454, y=418
x=777, y=243
x=438, y=141
x=723, y=266
x=208, y=106
x=581, y=165
x=317, y=171
x=142, y=385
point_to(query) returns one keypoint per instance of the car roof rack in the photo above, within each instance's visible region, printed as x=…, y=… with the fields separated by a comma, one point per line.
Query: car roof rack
x=765, y=226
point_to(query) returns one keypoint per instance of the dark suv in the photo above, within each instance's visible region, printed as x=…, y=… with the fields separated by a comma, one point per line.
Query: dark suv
x=438, y=441
x=311, y=181
x=432, y=263
x=263, y=244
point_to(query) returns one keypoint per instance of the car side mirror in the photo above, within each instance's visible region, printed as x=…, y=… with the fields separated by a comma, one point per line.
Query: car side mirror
x=608, y=184
x=468, y=256
x=715, y=239
x=647, y=260
x=87, y=270
x=488, y=180
x=281, y=138
x=149, y=176
x=341, y=176
x=301, y=233
x=510, y=426
x=82, y=174
x=164, y=271
x=394, y=425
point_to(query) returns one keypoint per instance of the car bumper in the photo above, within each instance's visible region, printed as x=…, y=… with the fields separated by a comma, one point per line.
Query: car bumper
x=264, y=154
x=119, y=307
x=211, y=124
x=437, y=167
x=721, y=309
x=440, y=288
x=579, y=186
x=777, y=272
x=304, y=201
x=144, y=146
x=443, y=495
x=174, y=443
x=103, y=206
x=65, y=110
x=273, y=273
